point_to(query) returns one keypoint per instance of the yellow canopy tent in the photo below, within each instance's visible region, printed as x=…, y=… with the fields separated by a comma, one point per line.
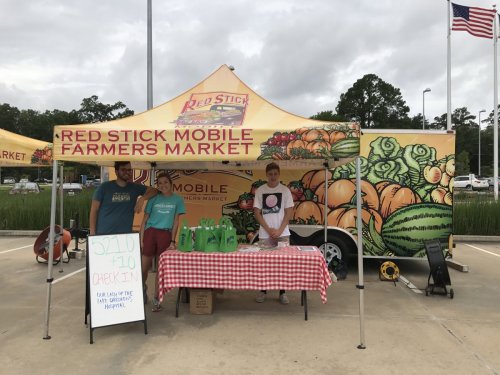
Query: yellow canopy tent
x=20, y=151
x=218, y=124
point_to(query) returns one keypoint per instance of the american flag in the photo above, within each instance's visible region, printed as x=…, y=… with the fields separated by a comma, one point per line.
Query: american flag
x=476, y=21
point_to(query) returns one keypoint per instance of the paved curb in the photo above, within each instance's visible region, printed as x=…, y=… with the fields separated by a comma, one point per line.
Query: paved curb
x=20, y=233
x=472, y=238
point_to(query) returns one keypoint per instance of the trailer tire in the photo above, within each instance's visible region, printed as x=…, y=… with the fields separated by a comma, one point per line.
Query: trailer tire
x=336, y=247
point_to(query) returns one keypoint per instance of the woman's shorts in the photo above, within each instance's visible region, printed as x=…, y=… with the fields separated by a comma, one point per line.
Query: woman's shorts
x=156, y=241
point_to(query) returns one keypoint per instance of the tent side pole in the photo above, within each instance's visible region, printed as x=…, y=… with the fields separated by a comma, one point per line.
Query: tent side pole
x=325, y=208
x=61, y=216
x=51, y=247
x=360, y=285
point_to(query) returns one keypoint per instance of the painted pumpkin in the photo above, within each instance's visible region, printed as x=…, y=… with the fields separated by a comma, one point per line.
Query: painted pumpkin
x=308, y=209
x=345, y=217
x=394, y=196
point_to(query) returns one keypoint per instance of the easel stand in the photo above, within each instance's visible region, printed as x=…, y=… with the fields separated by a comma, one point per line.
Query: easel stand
x=102, y=250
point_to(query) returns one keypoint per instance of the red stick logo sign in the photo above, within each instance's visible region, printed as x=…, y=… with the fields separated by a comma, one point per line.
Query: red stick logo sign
x=215, y=108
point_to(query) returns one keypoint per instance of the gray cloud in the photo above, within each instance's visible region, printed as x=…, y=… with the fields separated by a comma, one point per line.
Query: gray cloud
x=299, y=55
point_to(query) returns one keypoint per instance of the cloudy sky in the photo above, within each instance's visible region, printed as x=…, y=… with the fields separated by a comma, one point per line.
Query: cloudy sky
x=300, y=55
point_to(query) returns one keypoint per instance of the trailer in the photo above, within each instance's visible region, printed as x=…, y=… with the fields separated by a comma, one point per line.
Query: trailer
x=406, y=184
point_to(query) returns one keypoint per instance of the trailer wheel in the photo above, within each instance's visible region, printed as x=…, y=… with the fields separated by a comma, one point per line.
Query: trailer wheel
x=334, y=247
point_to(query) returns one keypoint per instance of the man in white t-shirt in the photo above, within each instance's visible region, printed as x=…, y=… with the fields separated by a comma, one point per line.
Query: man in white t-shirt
x=273, y=209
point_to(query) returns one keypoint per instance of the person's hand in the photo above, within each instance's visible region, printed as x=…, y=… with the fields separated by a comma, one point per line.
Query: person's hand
x=138, y=206
x=171, y=246
x=274, y=233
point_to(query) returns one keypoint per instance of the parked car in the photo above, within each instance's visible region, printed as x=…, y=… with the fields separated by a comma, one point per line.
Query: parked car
x=93, y=183
x=470, y=182
x=24, y=180
x=72, y=188
x=25, y=188
x=43, y=181
x=9, y=180
x=491, y=184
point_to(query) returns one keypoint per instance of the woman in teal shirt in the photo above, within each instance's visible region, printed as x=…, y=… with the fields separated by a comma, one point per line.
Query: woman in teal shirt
x=159, y=227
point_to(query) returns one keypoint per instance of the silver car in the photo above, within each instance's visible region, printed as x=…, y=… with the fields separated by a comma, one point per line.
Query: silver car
x=470, y=182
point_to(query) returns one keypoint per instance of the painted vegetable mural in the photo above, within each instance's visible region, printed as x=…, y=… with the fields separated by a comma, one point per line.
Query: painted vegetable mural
x=339, y=140
x=406, y=192
x=406, y=189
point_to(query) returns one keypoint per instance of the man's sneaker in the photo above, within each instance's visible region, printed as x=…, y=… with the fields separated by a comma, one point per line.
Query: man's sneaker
x=284, y=299
x=156, y=305
x=261, y=297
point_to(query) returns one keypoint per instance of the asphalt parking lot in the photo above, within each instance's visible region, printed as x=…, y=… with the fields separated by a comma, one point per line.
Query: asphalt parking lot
x=405, y=331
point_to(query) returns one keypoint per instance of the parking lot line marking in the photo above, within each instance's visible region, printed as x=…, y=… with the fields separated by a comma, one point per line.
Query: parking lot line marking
x=69, y=275
x=409, y=284
x=17, y=248
x=485, y=251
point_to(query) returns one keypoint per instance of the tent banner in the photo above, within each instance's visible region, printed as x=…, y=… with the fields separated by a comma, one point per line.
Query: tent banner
x=329, y=141
x=220, y=119
x=19, y=151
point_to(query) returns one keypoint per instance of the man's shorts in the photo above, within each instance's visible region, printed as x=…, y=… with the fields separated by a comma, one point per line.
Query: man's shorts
x=156, y=241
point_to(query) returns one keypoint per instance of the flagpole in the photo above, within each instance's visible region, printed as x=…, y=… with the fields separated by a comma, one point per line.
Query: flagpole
x=495, y=108
x=150, y=56
x=448, y=71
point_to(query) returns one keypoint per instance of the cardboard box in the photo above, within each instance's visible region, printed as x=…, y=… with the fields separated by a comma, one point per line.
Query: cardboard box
x=201, y=301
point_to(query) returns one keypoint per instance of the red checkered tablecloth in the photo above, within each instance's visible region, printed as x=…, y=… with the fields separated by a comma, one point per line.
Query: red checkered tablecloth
x=286, y=268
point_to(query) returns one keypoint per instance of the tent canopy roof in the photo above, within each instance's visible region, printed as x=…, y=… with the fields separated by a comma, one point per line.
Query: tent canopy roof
x=218, y=124
x=20, y=151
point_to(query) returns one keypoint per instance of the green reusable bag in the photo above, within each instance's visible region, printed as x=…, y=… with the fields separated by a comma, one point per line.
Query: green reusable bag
x=228, y=241
x=211, y=239
x=185, y=238
x=199, y=235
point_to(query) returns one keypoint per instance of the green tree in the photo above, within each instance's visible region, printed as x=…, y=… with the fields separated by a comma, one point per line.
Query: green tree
x=9, y=118
x=373, y=103
x=92, y=110
x=462, y=163
x=329, y=116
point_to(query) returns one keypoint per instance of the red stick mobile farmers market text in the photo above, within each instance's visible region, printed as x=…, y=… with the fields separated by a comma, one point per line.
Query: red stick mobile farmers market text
x=153, y=142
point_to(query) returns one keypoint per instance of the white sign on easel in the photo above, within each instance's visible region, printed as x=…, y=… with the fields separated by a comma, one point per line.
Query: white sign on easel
x=115, y=280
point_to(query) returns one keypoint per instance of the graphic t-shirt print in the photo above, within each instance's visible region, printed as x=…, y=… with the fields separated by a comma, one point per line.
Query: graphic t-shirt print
x=271, y=203
x=120, y=197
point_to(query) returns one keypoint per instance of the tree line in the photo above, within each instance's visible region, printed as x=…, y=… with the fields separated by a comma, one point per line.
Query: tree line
x=371, y=102
x=376, y=104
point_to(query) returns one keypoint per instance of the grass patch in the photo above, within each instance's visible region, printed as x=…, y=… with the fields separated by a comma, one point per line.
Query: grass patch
x=32, y=211
x=476, y=214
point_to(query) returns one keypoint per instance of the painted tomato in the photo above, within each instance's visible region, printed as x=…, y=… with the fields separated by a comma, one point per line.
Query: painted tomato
x=256, y=185
x=245, y=201
x=297, y=189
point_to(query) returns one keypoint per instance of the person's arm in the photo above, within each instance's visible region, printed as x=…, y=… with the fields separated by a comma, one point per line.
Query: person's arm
x=150, y=193
x=94, y=211
x=175, y=227
x=260, y=219
x=286, y=220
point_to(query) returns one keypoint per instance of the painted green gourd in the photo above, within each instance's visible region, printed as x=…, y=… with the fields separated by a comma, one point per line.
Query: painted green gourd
x=405, y=230
x=345, y=148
